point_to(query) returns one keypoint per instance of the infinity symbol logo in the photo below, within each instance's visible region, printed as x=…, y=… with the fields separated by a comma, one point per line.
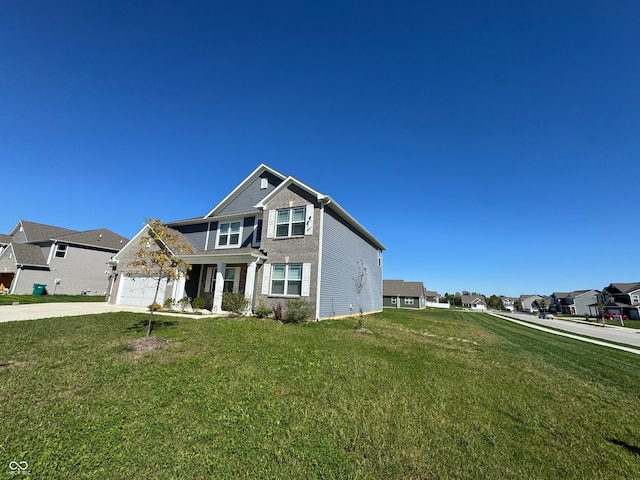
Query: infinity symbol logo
x=18, y=465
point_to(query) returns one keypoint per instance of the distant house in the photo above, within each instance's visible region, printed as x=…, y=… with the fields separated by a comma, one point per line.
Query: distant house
x=622, y=298
x=401, y=294
x=66, y=261
x=272, y=239
x=573, y=303
x=531, y=303
x=508, y=303
x=474, y=302
x=433, y=300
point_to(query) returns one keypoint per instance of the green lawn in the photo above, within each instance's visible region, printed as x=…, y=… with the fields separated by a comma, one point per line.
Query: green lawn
x=428, y=395
x=25, y=299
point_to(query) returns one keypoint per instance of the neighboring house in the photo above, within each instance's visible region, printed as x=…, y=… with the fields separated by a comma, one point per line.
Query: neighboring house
x=474, y=302
x=273, y=238
x=66, y=261
x=531, y=303
x=508, y=303
x=401, y=294
x=622, y=298
x=573, y=303
x=433, y=300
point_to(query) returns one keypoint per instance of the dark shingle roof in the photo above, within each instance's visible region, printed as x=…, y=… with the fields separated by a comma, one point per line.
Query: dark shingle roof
x=5, y=239
x=400, y=288
x=35, y=232
x=27, y=254
x=100, y=237
x=627, y=287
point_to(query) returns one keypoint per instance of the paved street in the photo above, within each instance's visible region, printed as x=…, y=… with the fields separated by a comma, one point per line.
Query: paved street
x=610, y=333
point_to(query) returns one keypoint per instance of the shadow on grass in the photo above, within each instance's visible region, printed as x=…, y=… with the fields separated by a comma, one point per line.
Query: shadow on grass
x=629, y=448
x=156, y=324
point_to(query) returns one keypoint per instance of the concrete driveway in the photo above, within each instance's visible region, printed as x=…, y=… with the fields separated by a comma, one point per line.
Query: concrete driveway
x=12, y=313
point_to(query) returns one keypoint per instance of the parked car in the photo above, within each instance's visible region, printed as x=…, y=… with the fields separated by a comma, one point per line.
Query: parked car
x=614, y=316
x=545, y=315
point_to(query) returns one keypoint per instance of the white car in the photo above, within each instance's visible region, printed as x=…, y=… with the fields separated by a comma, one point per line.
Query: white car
x=545, y=315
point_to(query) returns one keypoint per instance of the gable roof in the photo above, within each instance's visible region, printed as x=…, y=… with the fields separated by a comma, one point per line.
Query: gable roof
x=35, y=232
x=472, y=299
x=27, y=254
x=400, y=288
x=5, y=239
x=624, y=287
x=262, y=168
x=100, y=237
x=286, y=182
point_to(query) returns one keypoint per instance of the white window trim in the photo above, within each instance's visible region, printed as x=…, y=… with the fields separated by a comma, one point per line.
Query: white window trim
x=239, y=234
x=64, y=251
x=267, y=280
x=408, y=300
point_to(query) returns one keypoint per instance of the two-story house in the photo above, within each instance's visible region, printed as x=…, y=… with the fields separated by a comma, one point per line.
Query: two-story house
x=401, y=294
x=508, y=303
x=273, y=238
x=622, y=298
x=573, y=303
x=66, y=261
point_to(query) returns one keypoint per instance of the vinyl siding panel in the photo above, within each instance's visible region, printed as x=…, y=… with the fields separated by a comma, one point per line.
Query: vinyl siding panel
x=246, y=200
x=196, y=235
x=342, y=248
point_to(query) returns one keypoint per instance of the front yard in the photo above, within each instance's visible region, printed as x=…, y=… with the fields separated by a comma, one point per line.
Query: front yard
x=435, y=394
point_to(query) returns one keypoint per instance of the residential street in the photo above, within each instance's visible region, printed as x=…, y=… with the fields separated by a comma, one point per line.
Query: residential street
x=610, y=333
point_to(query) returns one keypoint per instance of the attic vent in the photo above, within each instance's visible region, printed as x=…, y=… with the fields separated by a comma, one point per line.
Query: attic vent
x=264, y=183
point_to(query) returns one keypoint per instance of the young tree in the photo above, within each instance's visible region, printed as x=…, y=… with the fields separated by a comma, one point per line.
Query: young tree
x=157, y=257
x=359, y=283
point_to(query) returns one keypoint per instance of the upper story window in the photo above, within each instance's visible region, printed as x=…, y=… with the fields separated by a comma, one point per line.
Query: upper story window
x=290, y=222
x=229, y=234
x=635, y=298
x=61, y=251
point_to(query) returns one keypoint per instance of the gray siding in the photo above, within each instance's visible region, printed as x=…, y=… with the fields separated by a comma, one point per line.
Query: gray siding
x=196, y=235
x=82, y=270
x=246, y=200
x=342, y=248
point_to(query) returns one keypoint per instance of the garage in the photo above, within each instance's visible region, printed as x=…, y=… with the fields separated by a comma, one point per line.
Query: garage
x=139, y=291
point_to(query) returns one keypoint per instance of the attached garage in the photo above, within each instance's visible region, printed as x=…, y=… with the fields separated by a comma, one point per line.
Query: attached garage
x=139, y=291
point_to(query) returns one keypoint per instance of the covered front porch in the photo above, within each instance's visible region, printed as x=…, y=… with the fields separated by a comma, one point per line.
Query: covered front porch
x=214, y=273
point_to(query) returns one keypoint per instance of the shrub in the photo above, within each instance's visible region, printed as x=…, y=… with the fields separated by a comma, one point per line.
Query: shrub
x=277, y=311
x=183, y=302
x=297, y=310
x=198, y=303
x=168, y=303
x=262, y=310
x=234, y=302
x=154, y=307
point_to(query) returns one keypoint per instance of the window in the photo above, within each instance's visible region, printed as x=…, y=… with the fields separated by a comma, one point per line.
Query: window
x=290, y=222
x=394, y=300
x=229, y=279
x=229, y=234
x=61, y=251
x=635, y=298
x=257, y=233
x=286, y=279
x=408, y=301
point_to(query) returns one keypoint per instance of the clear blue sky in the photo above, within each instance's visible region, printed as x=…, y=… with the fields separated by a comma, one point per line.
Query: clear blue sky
x=491, y=146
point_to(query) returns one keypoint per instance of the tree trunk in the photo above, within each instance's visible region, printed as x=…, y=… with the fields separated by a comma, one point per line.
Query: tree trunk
x=153, y=305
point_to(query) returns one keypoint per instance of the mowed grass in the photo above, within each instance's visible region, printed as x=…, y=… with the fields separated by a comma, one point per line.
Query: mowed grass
x=27, y=299
x=426, y=395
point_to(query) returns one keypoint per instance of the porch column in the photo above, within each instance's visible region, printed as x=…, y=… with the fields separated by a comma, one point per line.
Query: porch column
x=249, y=284
x=217, y=294
x=178, y=288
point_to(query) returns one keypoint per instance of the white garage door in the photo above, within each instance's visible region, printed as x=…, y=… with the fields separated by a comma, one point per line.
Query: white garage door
x=139, y=291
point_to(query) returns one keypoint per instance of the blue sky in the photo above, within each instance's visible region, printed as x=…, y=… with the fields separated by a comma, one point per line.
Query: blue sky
x=490, y=146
